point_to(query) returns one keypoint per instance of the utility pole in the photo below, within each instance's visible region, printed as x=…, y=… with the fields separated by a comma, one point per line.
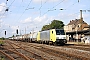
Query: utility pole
x=25, y=30
x=78, y=1
x=81, y=19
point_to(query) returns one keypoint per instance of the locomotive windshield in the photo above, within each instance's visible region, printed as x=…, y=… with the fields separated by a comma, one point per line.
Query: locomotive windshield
x=60, y=32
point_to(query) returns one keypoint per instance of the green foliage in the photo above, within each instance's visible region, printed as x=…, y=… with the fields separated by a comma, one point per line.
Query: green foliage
x=2, y=38
x=46, y=27
x=13, y=36
x=55, y=24
x=1, y=42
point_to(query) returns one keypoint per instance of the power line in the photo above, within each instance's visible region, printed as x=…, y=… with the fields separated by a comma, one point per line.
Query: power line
x=11, y=4
x=20, y=5
x=42, y=6
x=7, y=8
x=68, y=6
x=54, y=7
x=25, y=9
x=71, y=5
x=58, y=3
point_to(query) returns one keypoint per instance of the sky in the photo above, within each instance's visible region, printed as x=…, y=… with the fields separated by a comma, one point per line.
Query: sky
x=31, y=15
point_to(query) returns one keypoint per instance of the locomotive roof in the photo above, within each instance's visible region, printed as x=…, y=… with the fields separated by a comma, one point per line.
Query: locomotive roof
x=51, y=29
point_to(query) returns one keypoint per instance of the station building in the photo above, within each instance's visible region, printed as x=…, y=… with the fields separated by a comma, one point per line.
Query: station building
x=76, y=29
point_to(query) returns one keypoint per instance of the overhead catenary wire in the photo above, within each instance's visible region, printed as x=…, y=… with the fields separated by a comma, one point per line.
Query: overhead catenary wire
x=40, y=8
x=71, y=5
x=7, y=8
x=66, y=7
x=11, y=3
x=25, y=9
x=18, y=10
x=54, y=7
x=61, y=8
x=58, y=3
x=42, y=5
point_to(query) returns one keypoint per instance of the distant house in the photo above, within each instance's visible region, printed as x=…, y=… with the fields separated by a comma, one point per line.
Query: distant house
x=75, y=25
x=76, y=28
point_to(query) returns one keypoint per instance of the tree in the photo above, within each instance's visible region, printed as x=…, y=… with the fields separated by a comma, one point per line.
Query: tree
x=13, y=36
x=46, y=27
x=55, y=24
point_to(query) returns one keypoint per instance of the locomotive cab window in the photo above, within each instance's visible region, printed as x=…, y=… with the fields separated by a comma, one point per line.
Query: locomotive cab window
x=60, y=32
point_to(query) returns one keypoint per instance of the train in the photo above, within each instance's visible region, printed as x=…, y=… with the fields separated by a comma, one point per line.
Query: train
x=52, y=36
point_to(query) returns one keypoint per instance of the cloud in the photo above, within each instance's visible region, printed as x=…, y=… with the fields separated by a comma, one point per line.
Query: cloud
x=28, y=20
x=40, y=19
x=34, y=20
x=38, y=22
x=2, y=7
x=2, y=10
x=1, y=21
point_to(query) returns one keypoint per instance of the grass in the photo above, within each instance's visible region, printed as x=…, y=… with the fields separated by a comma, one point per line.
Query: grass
x=1, y=42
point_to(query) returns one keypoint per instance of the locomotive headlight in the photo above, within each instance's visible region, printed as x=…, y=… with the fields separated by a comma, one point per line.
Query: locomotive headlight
x=63, y=38
x=60, y=37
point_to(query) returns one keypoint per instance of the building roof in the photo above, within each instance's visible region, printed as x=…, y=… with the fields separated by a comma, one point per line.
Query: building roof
x=76, y=21
x=87, y=26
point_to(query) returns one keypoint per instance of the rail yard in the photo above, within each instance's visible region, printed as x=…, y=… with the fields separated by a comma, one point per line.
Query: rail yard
x=17, y=50
x=44, y=30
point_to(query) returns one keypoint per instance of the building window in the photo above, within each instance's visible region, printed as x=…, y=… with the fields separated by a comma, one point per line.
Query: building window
x=78, y=26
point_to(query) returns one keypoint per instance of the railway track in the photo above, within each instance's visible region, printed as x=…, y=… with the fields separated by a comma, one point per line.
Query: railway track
x=3, y=54
x=60, y=54
x=13, y=54
x=30, y=51
x=80, y=47
x=41, y=53
x=13, y=51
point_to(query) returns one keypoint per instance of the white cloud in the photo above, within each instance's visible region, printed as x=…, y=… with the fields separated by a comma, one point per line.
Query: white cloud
x=40, y=19
x=2, y=7
x=2, y=10
x=28, y=20
x=36, y=22
x=1, y=21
